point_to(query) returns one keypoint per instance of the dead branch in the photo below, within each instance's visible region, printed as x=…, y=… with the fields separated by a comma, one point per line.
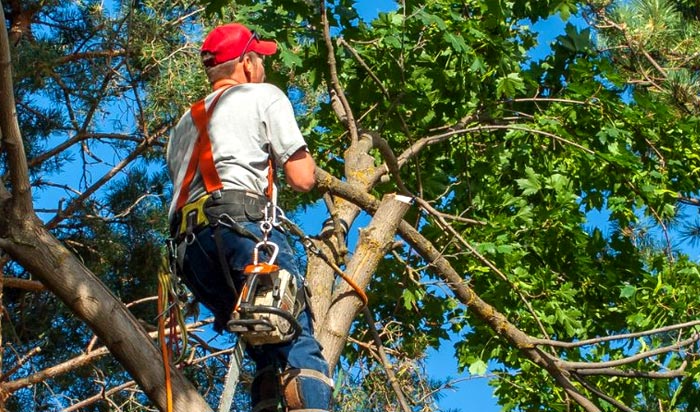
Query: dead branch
x=335, y=82
x=20, y=363
x=72, y=364
x=100, y=396
x=23, y=284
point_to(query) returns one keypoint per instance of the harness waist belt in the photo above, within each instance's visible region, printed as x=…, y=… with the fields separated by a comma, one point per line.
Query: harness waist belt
x=237, y=204
x=227, y=197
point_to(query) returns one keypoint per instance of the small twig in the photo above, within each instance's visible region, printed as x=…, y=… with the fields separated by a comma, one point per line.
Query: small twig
x=395, y=385
x=430, y=140
x=549, y=99
x=428, y=208
x=364, y=65
x=602, y=339
x=604, y=396
x=20, y=363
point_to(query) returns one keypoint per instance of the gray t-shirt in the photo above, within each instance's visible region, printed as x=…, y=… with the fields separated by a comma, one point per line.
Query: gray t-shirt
x=249, y=122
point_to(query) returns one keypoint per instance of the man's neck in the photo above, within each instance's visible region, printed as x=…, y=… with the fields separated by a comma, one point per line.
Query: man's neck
x=225, y=82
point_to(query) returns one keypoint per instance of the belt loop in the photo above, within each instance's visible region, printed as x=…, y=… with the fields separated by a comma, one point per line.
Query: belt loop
x=216, y=194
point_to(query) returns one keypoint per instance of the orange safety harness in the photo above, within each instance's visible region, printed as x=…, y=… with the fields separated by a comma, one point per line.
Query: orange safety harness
x=203, y=158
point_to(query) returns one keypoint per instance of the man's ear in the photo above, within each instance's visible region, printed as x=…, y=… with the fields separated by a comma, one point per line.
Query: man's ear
x=248, y=63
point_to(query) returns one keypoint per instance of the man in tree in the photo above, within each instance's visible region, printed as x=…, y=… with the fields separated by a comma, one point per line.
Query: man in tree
x=221, y=158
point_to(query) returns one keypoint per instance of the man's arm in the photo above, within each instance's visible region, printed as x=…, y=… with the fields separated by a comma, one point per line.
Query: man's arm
x=299, y=171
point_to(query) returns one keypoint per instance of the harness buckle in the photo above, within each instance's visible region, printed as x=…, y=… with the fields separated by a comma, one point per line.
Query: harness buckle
x=193, y=216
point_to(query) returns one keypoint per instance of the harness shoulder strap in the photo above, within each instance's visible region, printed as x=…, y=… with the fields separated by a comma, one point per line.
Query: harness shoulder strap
x=202, y=156
x=270, y=191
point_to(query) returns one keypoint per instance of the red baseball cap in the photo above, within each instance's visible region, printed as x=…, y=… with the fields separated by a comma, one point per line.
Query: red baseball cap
x=232, y=40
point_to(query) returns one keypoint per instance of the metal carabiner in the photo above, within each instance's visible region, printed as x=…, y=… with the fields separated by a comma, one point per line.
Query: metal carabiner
x=270, y=212
x=256, y=252
x=268, y=222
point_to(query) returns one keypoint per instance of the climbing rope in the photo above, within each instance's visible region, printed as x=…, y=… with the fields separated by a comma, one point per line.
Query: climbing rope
x=311, y=247
x=169, y=311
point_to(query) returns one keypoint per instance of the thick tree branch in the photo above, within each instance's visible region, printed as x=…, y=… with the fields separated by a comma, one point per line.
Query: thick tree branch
x=374, y=243
x=11, y=139
x=32, y=246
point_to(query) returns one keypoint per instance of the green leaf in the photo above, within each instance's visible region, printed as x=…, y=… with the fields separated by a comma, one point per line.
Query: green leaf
x=628, y=291
x=409, y=298
x=478, y=368
x=531, y=184
x=457, y=42
x=509, y=85
x=289, y=58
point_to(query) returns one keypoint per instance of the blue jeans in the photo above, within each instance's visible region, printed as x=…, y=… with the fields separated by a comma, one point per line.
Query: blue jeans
x=203, y=275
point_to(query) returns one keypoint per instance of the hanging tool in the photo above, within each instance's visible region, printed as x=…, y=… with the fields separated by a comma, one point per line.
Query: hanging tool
x=267, y=306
